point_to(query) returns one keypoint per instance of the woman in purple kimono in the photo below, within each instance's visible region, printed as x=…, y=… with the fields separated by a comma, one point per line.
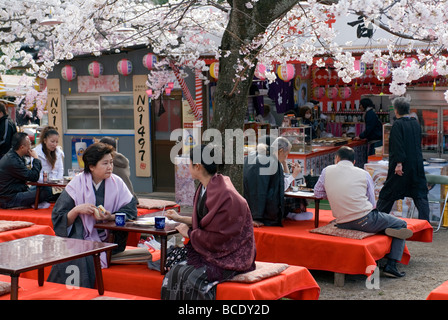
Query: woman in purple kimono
x=74, y=212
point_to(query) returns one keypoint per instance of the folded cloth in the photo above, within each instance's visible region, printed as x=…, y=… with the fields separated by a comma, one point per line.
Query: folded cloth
x=6, y=225
x=300, y=216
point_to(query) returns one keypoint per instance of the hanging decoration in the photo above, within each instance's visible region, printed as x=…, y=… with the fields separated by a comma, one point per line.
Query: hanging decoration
x=124, y=67
x=68, y=73
x=321, y=77
x=409, y=61
x=345, y=92
x=95, y=69
x=332, y=92
x=286, y=72
x=149, y=60
x=360, y=66
x=260, y=71
x=319, y=92
x=382, y=68
x=214, y=70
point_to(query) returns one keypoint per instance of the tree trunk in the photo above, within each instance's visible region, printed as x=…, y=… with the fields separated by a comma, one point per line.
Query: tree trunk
x=231, y=91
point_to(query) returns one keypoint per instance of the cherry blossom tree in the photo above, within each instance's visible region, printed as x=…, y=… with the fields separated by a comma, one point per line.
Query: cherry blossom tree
x=239, y=33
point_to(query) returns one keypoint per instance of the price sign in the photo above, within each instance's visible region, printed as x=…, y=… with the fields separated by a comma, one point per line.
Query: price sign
x=54, y=105
x=141, y=127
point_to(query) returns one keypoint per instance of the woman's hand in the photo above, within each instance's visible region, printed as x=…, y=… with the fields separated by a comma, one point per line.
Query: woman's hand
x=172, y=215
x=183, y=229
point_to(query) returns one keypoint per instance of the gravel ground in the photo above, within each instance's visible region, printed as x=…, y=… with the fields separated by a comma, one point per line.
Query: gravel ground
x=427, y=269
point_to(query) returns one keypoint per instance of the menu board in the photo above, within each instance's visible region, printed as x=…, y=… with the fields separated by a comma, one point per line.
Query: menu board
x=141, y=127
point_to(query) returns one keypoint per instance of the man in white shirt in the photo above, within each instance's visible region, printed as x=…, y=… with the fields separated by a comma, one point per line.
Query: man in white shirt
x=350, y=191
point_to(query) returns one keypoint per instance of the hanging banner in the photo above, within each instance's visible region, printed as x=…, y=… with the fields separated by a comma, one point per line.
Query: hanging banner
x=54, y=105
x=141, y=127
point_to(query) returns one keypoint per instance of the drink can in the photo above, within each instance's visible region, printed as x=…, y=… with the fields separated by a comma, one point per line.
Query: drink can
x=45, y=176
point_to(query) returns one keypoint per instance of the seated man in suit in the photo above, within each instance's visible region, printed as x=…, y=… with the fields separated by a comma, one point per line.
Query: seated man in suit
x=14, y=174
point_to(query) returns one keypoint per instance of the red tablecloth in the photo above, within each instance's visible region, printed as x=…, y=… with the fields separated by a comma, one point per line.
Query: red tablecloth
x=25, y=232
x=295, y=245
x=29, y=290
x=439, y=293
x=295, y=282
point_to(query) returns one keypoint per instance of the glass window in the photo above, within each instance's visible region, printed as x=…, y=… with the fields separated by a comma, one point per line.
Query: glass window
x=108, y=112
x=83, y=114
x=117, y=112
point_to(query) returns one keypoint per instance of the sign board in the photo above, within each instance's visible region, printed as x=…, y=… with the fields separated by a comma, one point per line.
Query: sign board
x=54, y=105
x=141, y=127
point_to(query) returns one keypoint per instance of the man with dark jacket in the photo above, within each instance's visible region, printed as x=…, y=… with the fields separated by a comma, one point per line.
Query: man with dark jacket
x=374, y=127
x=264, y=183
x=14, y=174
x=406, y=175
x=7, y=130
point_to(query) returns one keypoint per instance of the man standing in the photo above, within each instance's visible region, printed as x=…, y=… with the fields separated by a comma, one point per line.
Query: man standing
x=14, y=173
x=350, y=191
x=7, y=130
x=374, y=127
x=406, y=175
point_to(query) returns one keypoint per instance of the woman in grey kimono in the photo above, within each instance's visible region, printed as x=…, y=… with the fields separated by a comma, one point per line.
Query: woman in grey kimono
x=74, y=212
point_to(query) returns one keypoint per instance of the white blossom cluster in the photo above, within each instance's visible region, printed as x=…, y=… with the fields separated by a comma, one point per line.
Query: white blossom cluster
x=184, y=31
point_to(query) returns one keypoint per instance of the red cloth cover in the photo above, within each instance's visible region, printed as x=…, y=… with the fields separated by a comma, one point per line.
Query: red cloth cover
x=439, y=293
x=294, y=282
x=295, y=245
x=25, y=232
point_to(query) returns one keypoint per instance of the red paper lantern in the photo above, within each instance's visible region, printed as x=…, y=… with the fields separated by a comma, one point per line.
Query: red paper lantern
x=214, y=70
x=382, y=68
x=124, y=67
x=68, y=73
x=95, y=69
x=321, y=77
x=360, y=66
x=286, y=72
x=149, y=60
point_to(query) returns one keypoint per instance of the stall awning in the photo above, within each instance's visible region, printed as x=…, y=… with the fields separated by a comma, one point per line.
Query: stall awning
x=11, y=85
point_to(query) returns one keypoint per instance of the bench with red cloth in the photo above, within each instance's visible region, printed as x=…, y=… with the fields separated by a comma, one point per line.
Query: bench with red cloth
x=294, y=282
x=294, y=244
x=439, y=293
x=30, y=290
x=21, y=229
x=43, y=216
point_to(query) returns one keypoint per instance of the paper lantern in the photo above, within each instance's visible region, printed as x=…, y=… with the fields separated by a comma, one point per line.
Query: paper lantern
x=434, y=72
x=95, y=69
x=124, y=67
x=321, y=77
x=149, y=60
x=319, y=92
x=333, y=77
x=260, y=70
x=332, y=92
x=286, y=72
x=68, y=73
x=360, y=66
x=408, y=61
x=345, y=92
x=382, y=68
x=214, y=70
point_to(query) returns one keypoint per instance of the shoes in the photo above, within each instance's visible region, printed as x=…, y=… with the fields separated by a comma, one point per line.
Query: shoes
x=391, y=271
x=402, y=233
x=43, y=205
x=300, y=216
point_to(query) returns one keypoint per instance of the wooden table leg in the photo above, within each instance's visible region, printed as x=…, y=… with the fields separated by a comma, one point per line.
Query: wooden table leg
x=163, y=244
x=316, y=213
x=14, y=287
x=36, y=200
x=98, y=273
x=40, y=276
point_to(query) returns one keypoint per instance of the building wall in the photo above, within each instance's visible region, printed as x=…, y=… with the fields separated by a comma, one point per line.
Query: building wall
x=126, y=143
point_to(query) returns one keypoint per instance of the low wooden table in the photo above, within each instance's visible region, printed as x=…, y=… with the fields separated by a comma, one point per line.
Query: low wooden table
x=310, y=196
x=59, y=183
x=130, y=226
x=40, y=251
